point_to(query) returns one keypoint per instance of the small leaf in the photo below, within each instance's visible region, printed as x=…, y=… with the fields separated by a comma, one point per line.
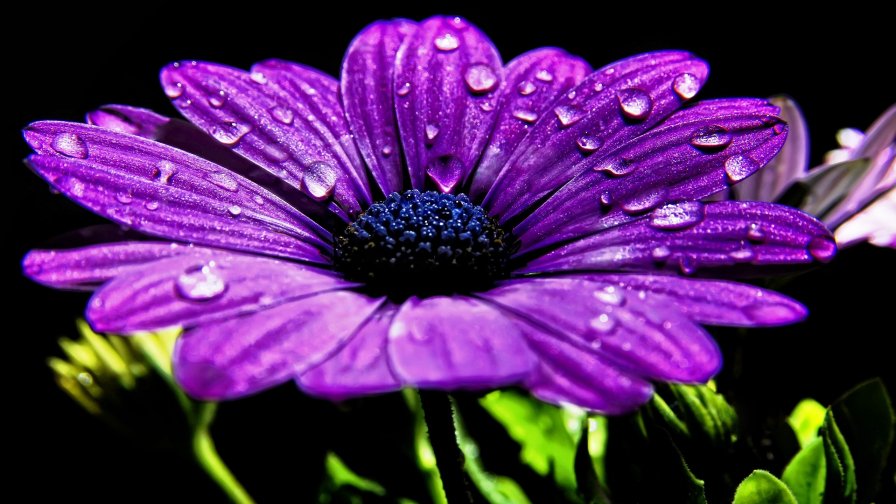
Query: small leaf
x=805, y=474
x=841, y=469
x=805, y=420
x=865, y=414
x=761, y=487
x=341, y=475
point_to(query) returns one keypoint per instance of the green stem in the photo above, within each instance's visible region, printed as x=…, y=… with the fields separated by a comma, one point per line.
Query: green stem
x=439, y=415
x=208, y=458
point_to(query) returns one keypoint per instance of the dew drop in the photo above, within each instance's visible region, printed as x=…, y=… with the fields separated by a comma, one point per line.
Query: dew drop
x=224, y=180
x=258, y=78
x=124, y=198
x=480, y=78
x=404, y=89
x=644, y=201
x=282, y=114
x=616, y=166
x=432, y=131
x=152, y=205
x=525, y=115
x=258, y=199
x=711, y=138
x=598, y=87
x=779, y=128
x=634, y=103
x=606, y=199
x=544, y=76
x=740, y=167
x=755, y=232
x=218, y=99
x=686, y=85
x=688, y=264
x=610, y=295
x=567, y=115
x=526, y=88
x=677, y=215
x=386, y=151
x=201, y=283
x=822, y=248
x=75, y=186
x=446, y=42
x=235, y=210
x=603, y=323
x=71, y=145
x=743, y=254
x=571, y=95
x=319, y=180
x=163, y=171
x=661, y=253
x=173, y=89
x=230, y=132
x=588, y=143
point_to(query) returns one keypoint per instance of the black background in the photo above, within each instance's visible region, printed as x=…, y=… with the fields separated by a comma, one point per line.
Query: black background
x=837, y=64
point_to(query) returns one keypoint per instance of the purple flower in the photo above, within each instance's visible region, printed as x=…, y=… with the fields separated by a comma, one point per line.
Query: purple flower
x=435, y=219
x=853, y=192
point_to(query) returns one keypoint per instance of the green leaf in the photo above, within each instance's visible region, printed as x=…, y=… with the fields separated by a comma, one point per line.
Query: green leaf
x=806, y=419
x=341, y=475
x=547, y=446
x=865, y=415
x=841, y=469
x=697, y=413
x=761, y=487
x=805, y=474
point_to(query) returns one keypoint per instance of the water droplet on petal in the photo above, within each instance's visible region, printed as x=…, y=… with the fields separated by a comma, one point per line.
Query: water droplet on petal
x=319, y=180
x=755, y=232
x=74, y=185
x=124, y=198
x=230, y=132
x=486, y=106
x=822, y=248
x=218, y=99
x=677, y=215
x=201, y=283
x=603, y=323
x=71, y=145
x=779, y=128
x=163, y=171
x=616, y=166
x=711, y=138
x=235, y=210
x=480, y=78
x=688, y=264
x=743, y=254
x=686, y=86
x=274, y=153
x=571, y=95
x=525, y=115
x=644, y=201
x=526, y=88
x=634, y=103
x=606, y=199
x=610, y=295
x=432, y=131
x=567, y=115
x=258, y=199
x=258, y=78
x=224, y=180
x=386, y=151
x=173, y=89
x=282, y=114
x=404, y=89
x=588, y=143
x=661, y=253
x=544, y=76
x=151, y=205
x=740, y=167
x=447, y=42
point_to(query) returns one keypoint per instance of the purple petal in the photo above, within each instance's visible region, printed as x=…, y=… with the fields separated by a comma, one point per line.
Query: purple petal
x=87, y=267
x=791, y=163
x=240, y=356
x=733, y=238
x=367, y=94
x=534, y=81
x=713, y=302
x=610, y=107
x=879, y=135
x=297, y=133
x=361, y=367
x=196, y=289
x=165, y=192
x=695, y=153
x=456, y=342
x=567, y=374
x=643, y=337
x=128, y=120
x=447, y=76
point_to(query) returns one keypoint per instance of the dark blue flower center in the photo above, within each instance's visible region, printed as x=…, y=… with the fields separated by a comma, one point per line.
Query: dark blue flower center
x=423, y=243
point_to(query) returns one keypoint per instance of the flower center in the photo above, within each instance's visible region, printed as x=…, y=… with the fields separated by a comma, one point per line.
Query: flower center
x=423, y=243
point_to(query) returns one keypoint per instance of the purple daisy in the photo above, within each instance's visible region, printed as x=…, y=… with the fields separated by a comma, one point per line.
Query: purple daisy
x=434, y=219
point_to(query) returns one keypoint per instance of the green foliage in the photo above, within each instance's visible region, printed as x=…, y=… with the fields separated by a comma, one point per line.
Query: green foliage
x=806, y=419
x=805, y=475
x=761, y=487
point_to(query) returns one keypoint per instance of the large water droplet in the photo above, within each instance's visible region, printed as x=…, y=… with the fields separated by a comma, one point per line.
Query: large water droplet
x=525, y=115
x=432, y=131
x=217, y=100
x=163, y=171
x=404, y=89
x=610, y=295
x=234, y=210
x=677, y=215
x=822, y=248
x=446, y=171
x=567, y=115
x=603, y=323
x=588, y=143
x=173, y=89
x=200, y=283
x=230, y=132
x=480, y=78
x=526, y=88
x=446, y=42
x=71, y=145
x=740, y=167
x=644, y=201
x=616, y=166
x=634, y=103
x=686, y=86
x=283, y=114
x=319, y=180
x=711, y=138
x=224, y=180
x=544, y=76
